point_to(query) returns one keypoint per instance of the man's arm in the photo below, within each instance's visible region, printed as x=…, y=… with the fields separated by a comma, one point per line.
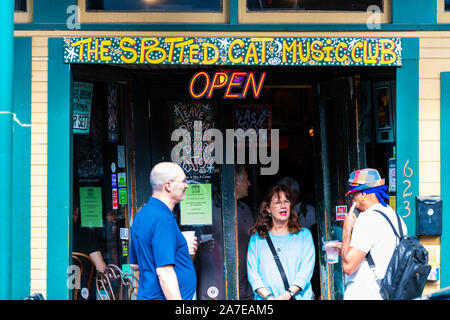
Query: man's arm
x=351, y=257
x=169, y=282
x=99, y=263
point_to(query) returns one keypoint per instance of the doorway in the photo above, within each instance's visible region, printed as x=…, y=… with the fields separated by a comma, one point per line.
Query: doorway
x=331, y=121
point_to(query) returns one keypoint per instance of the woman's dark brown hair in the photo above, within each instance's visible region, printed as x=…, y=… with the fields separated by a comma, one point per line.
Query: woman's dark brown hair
x=264, y=220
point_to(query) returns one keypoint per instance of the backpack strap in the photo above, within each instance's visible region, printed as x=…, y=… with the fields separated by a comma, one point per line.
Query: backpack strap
x=369, y=256
x=392, y=226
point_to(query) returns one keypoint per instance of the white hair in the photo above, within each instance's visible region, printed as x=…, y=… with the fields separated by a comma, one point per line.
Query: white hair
x=290, y=183
x=162, y=173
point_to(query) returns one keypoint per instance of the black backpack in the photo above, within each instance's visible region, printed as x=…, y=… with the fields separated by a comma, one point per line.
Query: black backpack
x=407, y=270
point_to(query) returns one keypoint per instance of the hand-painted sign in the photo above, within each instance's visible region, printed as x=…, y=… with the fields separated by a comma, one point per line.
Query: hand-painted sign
x=235, y=51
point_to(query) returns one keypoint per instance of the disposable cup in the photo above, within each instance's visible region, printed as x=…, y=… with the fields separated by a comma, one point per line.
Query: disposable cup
x=189, y=235
x=332, y=252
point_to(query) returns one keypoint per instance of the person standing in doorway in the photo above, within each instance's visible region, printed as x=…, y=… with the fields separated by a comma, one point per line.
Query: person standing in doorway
x=306, y=218
x=293, y=245
x=306, y=212
x=158, y=250
x=369, y=232
x=244, y=222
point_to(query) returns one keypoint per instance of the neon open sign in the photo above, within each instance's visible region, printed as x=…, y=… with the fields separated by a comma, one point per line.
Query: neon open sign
x=241, y=82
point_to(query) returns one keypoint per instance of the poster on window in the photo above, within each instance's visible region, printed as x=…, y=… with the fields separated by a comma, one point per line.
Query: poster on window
x=196, y=208
x=192, y=151
x=91, y=208
x=82, y=105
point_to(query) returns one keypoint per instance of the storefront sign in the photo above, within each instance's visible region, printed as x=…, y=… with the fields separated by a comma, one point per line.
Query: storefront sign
x=196, y=208
x=82, y=104
x=235, y=51
x=91, y=207
x=241, y=81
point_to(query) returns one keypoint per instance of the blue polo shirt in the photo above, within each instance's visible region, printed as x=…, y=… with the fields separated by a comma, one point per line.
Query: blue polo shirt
x=156, y=241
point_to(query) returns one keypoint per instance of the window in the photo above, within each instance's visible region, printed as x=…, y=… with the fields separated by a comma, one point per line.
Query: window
x=443, y=11
x=325, y=5
x=154, y=11
x=155, y=5
x=20, y=5
x=315, y=11
x=23, y=11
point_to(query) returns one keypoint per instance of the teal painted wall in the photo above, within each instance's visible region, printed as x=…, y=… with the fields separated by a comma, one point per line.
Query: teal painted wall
x=407, y=129
x=59, y=184
x=6, y=143
x=417, y=11
x=51, y=11
x=20, y=262
x=445, y=179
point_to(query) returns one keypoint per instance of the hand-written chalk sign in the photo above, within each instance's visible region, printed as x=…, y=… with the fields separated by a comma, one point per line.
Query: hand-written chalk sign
x=185, y=114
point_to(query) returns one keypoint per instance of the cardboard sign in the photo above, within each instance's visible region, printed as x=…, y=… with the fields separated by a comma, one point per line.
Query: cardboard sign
x=341, y=212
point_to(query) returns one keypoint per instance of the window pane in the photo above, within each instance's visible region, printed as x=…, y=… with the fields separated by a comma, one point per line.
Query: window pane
x=447, y=5
x=155, y=5
x=20, y=5
x=329, y=5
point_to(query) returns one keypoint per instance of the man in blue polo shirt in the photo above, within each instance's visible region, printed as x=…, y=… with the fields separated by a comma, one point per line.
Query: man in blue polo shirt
x=157, y=247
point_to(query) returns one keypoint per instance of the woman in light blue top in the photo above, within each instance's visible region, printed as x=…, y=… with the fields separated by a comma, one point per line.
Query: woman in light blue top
x=293, y=244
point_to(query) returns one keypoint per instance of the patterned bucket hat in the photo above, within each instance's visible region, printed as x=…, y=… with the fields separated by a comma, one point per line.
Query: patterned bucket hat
x=364, y=179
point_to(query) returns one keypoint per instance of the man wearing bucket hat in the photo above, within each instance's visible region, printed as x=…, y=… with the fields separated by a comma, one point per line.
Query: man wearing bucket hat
x=367, y=232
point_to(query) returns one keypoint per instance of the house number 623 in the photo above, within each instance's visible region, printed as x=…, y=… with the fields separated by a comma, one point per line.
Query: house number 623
x=408, y=173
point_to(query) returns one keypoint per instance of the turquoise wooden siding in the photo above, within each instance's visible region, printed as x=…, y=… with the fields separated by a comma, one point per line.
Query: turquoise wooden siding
x=20, y=262
x=59, y=184
x=445, y=179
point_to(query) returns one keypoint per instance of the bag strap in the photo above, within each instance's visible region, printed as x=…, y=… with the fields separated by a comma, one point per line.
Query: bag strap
x=392, y=226
x=278, y=263
x=369, y=256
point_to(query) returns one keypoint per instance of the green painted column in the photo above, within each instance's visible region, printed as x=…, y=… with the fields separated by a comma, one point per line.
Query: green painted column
x=6, y=118
x=407, y=124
